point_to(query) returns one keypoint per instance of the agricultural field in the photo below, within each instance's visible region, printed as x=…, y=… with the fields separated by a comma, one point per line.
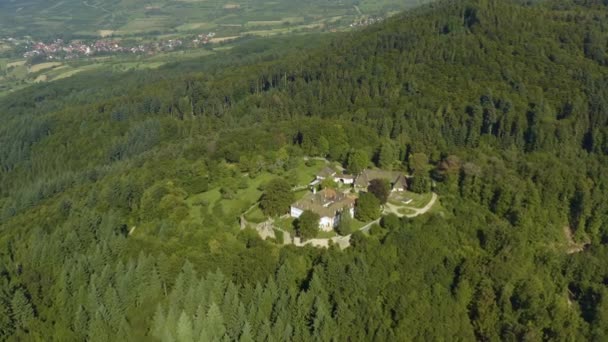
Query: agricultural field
x=18, y=74
x=137, y=22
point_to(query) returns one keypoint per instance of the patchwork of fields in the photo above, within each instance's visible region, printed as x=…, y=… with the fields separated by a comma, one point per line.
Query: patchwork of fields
x=144, y=21
x=135, y=17
x=15, y=75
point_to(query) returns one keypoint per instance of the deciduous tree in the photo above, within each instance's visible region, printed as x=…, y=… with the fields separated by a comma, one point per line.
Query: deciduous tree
x=357, y=161
x=381, y=188
x=277, y=197
x=307, y=224
x=367, y=208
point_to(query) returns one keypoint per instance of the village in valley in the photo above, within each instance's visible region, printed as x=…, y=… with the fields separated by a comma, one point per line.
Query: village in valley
x=59, y=49
x=335, y=204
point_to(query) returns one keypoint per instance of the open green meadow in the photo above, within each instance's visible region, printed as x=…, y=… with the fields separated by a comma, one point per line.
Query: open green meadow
x=249, y=192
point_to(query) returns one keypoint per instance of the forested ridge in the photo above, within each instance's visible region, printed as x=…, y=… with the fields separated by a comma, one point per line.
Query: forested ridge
x=507, y=100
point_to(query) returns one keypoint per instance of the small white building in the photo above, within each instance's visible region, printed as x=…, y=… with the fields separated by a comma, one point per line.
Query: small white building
x=344, y=179
x=295, y=212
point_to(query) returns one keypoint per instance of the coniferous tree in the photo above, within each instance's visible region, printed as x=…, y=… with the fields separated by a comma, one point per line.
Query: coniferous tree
x=357, y=161
x=184, y=328
x=6, y=323
x=214, y=323
x=386, y=156
x=246, y=333
x=22, y=311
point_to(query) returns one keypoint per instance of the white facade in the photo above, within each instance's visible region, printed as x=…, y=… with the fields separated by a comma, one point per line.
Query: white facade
x=348, y=180
x=295, y=212
x=352, y=212
x=326, y=224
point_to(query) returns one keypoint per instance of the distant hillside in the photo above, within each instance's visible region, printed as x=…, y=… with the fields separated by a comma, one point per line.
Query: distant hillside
x=121, y=193
x=78, y=18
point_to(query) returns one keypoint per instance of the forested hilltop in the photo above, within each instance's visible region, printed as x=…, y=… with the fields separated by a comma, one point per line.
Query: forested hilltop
x=103, y=237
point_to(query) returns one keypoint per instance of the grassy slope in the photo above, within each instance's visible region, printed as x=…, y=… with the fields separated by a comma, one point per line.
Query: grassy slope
x=245, y=198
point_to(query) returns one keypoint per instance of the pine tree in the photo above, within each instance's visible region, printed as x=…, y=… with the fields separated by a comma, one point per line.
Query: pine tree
x=386, y=156
x=23, y=312
x=6, y=322
x=246, y=333
x=184, y=328
x=198, y=320
x=158, y=322
x=357, y=161
x=99, y=330
x=81, y=322
x=114, y=306
x=214, y=323
x=264, y=331
x=322, y=322
x=485, y=312
x=230, y=306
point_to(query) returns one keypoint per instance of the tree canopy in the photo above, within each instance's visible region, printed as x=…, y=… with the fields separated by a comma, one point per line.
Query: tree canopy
x=307, y=225
x=381, y=188
x=367, y=207
x=277, y=197
x=122, y=192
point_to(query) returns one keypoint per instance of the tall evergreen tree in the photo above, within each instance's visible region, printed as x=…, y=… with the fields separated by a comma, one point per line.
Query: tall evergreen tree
x=22, y=310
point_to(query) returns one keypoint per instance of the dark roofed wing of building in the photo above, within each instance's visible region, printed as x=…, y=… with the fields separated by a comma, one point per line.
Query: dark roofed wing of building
x=397, y=179
x=326, y=172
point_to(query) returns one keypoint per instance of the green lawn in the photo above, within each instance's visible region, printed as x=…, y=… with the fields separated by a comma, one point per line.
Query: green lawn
x=286, y=224
x=406, y=211
x=255, y=215
x=418, y=200
x=243, y=199
x=305, y=174
x=326, y=235
x=196, y=202
x=356, y=224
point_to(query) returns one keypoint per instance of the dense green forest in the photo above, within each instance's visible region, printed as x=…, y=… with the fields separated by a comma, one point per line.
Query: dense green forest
x=507, y=100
